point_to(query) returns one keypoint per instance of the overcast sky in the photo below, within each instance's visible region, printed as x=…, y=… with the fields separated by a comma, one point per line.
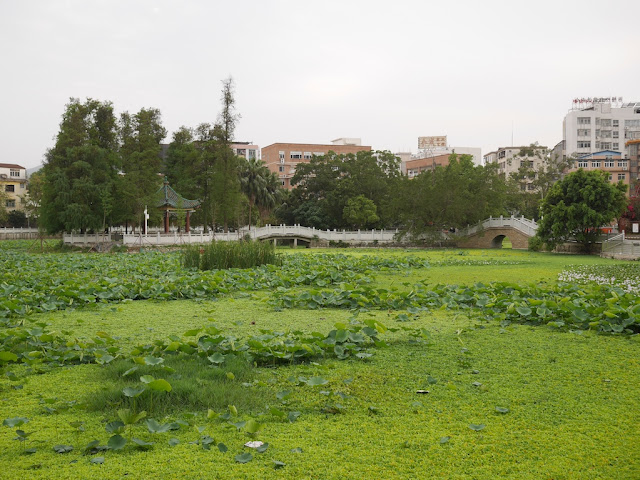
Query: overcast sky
x=312, y=71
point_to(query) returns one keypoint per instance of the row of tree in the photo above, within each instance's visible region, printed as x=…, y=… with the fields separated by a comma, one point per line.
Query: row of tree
x=105, y=171
x=367, y=190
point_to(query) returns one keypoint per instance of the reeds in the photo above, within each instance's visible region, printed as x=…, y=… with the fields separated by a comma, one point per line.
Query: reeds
x=223, y=255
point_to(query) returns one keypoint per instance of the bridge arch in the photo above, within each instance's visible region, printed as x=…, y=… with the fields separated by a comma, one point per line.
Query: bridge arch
x=498, y=241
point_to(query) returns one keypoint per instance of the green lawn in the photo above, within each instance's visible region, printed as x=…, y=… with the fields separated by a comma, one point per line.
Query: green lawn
x=567, y=400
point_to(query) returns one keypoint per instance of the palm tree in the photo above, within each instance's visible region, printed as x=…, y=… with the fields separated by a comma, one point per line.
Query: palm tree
x=253, y=181
x=271, y=196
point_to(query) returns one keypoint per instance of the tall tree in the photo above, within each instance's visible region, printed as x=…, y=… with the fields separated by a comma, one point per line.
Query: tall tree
x=82, y=163
x=226, y=194
x=140, y=137
x=577, y=206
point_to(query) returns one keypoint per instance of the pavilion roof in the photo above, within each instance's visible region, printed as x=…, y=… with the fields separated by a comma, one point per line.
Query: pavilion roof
x=168, y=197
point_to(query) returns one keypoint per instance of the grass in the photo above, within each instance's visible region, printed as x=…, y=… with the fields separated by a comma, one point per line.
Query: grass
x=571, y=397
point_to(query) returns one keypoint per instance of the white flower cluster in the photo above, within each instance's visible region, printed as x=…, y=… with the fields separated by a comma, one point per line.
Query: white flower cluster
x=589, y=274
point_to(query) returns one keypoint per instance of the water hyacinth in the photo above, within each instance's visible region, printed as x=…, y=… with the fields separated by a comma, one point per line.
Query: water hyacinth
x=625, y=277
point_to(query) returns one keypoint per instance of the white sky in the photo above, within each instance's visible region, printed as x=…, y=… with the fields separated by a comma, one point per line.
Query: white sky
x=312, y=71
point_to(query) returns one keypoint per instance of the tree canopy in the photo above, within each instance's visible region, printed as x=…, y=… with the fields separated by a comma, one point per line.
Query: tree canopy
x=80, y=168
x=577, y=206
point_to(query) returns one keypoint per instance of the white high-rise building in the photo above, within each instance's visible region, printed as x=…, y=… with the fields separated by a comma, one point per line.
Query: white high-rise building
x=598, y=124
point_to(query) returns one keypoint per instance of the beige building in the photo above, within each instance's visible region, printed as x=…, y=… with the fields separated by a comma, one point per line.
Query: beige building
x=246, y=150
x=511, y=159
x=282, y=158
x=611, y=162
x=13, y=182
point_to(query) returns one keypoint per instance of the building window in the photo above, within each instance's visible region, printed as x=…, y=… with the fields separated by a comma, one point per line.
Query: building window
x=584, y=132
x=632, y=123
x=9, y=188
x=610, y=177
x=615, y=134
x=252, y=154
x=502, y=154
x=22, y=185
x=584, y=144
x=615, y=146
x=526, y=163
x=622, y=176
x=10, y=203
x=605, y=145
x=623, y=164
x=241, y=152
x=307, y=155
x=606, y=133
x=281, y=168
x=608, y=163
x=605, y=122
x=616, y=123
x=296, y=155
x=282, y=182
x=318, y=154
x=14, y=173
x=584, y=120
x=595, y=164
x=583, y=164
x=281, y=155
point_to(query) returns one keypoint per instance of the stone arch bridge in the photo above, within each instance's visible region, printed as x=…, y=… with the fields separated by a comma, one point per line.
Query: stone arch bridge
x=491, y=232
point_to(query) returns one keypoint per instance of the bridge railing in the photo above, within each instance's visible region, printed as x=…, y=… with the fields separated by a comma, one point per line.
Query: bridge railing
x=620, y=245
x=526, y=226
x=260, y=233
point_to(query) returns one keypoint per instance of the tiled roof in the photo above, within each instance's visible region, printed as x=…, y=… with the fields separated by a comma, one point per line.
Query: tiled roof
x=168, y=197
x=11, y=165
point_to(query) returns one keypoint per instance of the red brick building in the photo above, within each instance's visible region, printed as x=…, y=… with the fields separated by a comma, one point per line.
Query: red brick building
x=282, y=158
x=416, y=166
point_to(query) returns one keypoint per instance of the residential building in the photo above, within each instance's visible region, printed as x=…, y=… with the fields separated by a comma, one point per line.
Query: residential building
x=600, y=124
x=13, y=183
x=611, y=162
x=282, y=158
x=511, y=159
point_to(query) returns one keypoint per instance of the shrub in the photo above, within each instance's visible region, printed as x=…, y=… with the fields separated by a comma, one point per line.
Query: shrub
x=223, y=255
x=535, y=244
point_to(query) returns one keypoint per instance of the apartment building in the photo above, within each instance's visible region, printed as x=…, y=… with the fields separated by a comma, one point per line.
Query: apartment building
x=282, y=158
x=13, y=182
x=617, y=166
x=511, y=159
x=600, y=124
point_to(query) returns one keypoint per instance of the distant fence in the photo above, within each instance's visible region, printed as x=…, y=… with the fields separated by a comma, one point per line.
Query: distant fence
x=21, y=234
x=269, y=232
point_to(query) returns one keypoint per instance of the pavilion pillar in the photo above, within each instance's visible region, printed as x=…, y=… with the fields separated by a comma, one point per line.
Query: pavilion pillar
x=187, y=224
x=166, y=221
